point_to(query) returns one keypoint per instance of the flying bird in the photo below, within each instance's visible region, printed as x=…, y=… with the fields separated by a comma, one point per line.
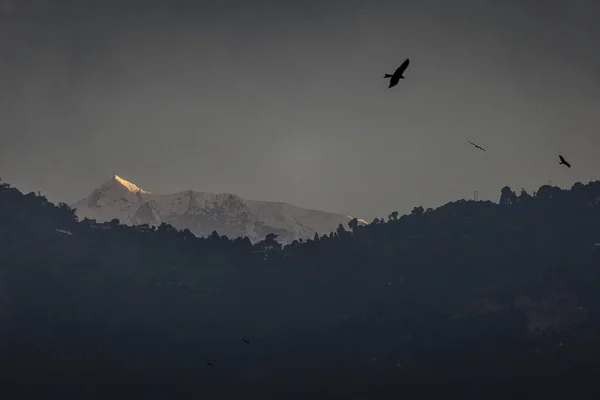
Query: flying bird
x=245, y=341
x=208, y=364
x=479, y=147
x=395, y=78
x=563, y=161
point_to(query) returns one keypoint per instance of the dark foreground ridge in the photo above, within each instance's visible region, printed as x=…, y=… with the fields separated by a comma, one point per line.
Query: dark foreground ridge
x=475, y=296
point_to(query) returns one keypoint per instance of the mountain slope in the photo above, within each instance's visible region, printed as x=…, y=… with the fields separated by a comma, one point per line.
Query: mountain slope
x=203, y=212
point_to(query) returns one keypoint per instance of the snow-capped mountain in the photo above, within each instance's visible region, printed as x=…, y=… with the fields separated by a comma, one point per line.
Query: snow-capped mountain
x=202, y=212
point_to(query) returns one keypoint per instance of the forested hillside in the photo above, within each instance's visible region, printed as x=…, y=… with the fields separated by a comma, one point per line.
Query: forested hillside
x=467, y=292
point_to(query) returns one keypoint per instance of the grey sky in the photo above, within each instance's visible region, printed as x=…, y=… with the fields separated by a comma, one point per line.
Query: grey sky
x=285, y=100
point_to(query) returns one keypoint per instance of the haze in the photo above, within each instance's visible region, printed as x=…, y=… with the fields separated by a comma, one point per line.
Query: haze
x=286, y=101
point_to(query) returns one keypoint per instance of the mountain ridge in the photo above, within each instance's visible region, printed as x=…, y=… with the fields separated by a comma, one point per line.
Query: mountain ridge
x=204, y=212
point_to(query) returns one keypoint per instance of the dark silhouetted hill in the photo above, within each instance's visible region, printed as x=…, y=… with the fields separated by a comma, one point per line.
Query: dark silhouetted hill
x=471, y=294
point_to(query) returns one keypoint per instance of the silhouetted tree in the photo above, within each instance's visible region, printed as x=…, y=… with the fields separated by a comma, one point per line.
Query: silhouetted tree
x=547, y=192
x=524, y=196
x=508, y=196
x=417, y=211
x=341, y=232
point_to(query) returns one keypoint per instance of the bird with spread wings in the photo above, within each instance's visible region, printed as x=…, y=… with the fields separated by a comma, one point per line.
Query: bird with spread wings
x=479, y=147
x=563, y=161
x=398, y=74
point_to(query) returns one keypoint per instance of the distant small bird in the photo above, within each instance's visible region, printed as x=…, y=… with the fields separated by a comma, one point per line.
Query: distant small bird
x=395, y=78
x=563, y=161
x=208, y=364
x=245, y=341
x=479, y=147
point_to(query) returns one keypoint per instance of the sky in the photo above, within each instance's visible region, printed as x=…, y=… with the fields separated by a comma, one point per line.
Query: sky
x=286, y=101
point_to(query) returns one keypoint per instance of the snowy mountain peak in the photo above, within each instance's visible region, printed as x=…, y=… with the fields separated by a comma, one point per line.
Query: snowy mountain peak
x=126, y=184
x=360, y=220
x=205, y=212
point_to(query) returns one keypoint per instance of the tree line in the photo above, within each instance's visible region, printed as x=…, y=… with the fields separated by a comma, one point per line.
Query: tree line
x=470, y=289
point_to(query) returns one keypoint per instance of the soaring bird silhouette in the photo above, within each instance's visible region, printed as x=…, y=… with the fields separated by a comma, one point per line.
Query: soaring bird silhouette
x=479, y=147
x=208, y=364
x=245, y=341
x=563, y=161
x=395, y=78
